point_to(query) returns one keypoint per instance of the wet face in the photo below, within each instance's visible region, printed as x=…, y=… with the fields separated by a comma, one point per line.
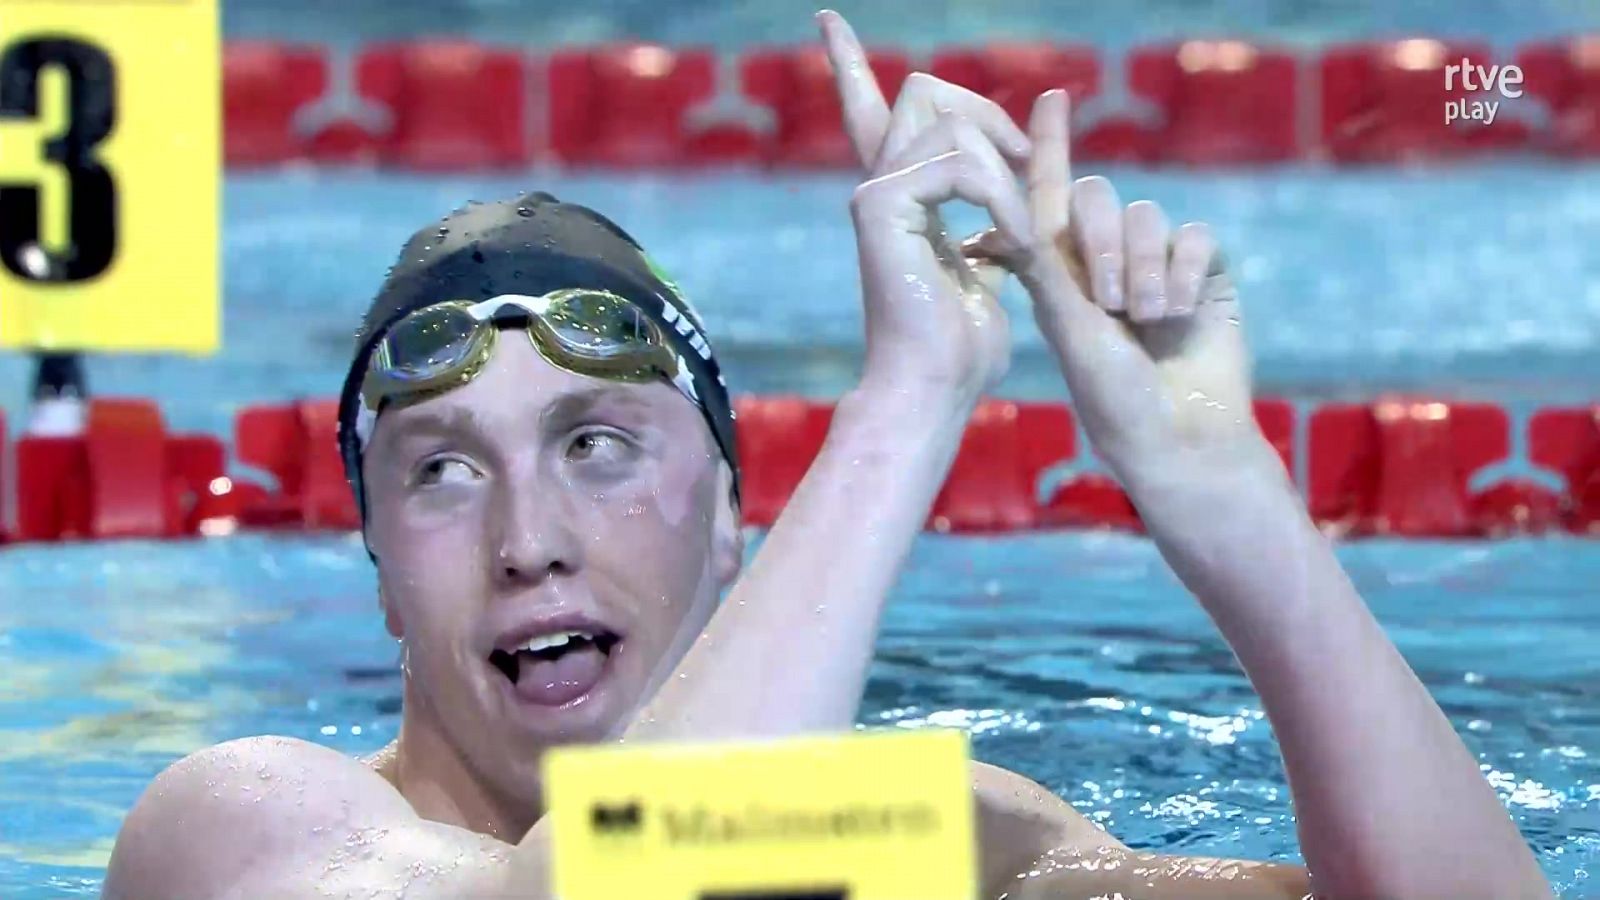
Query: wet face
x=548, y=545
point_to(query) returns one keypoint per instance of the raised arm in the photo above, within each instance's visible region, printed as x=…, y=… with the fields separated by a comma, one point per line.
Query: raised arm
x=1389, y=802
x=787, y=652
x=790, y=648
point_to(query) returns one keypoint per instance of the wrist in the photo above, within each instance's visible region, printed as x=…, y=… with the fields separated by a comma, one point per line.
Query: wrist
x=1234, y=474
x=916, y=391
x=900, y=412
x=897, y=444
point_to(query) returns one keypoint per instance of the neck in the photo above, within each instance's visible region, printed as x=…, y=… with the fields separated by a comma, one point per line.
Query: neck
x=442, y=785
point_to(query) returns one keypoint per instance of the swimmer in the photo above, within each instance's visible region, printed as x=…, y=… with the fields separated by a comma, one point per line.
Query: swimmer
x=1147, y=331
x=538, y=434
x=540, y=441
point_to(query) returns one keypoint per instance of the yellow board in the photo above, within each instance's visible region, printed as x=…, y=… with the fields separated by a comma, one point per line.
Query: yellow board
x=110, y=151
x=873, y=816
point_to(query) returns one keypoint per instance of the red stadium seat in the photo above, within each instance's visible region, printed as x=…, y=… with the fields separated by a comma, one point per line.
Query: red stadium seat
x=200, y=497
x=1566, y=76
x=626, y=106
x=1567, y=441
x=343, y=143
x=1224, y=102
x=52, y=489
x=113, y=481
x=1014, y=75
x=1116, y=140
x=457, y=105
x=1516, y=506
x=1402, y=466
x=779, y=437
x=989, y=487
x=1091, y=501
x=298, y=445
x=797, y=85
x=723, y=143
x=1049, y=438
x=127, y=469
x=1385, y=102
x=263, y=86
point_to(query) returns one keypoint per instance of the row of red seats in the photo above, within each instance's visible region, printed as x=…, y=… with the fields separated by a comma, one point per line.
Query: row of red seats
x=1398, y=466
x=460, y=105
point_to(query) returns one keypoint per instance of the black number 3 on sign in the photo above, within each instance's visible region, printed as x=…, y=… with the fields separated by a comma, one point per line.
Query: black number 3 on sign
x=92, y=204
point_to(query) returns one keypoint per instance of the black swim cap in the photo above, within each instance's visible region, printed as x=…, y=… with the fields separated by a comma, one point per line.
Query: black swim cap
x=532, y=245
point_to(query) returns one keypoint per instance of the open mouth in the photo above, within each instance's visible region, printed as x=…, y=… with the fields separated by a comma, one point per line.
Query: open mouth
x=552, y=669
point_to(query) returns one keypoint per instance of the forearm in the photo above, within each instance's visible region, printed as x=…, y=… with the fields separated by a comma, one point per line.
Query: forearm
x=789, y=650
x=1389, y=801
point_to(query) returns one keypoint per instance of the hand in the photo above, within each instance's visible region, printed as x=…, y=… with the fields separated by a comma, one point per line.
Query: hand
x=1143, y=319
x=933, y=320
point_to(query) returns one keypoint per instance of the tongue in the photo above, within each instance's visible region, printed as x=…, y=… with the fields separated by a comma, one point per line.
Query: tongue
x=554, y=682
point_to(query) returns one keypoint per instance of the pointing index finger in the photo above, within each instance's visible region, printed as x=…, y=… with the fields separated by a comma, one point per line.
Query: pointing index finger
x=1050, y=169
x=866, y=112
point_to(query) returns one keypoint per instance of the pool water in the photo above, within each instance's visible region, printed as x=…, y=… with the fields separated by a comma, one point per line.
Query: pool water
x=1075, y=658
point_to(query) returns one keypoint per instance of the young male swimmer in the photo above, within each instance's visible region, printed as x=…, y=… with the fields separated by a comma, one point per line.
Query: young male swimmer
x=540, y=439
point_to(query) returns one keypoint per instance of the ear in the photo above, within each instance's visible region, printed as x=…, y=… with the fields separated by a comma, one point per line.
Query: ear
x=727, y=539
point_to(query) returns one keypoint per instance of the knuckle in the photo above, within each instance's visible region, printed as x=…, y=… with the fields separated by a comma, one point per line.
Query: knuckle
x=921, y=81
x=865, y=197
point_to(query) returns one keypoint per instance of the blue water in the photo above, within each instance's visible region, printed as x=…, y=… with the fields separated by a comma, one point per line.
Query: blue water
x=1076, y=659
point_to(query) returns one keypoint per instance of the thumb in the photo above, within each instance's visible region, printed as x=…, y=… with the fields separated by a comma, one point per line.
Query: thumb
x=984, y=253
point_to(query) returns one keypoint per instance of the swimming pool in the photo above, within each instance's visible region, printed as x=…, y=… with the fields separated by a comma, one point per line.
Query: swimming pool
x=1074, y=658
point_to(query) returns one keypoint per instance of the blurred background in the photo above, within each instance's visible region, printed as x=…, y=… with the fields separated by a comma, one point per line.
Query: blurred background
x=1074, y=657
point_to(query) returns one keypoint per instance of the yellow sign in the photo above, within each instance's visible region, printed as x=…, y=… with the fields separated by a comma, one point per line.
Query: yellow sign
x=110, y=150
x=877, y=816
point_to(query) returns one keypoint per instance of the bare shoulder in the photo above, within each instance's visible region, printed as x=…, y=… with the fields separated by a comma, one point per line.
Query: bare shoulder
x=1017, y=806
x=1035, y=845
x=1020, y=820
x=276, y=816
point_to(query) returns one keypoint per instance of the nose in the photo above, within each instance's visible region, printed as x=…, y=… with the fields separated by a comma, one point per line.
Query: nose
x=534, y=535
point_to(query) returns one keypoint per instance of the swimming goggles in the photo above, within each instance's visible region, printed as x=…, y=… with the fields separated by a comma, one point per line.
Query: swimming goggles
x=445, y=345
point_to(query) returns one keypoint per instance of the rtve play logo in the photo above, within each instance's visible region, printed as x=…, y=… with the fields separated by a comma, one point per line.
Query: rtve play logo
x=1486, y=82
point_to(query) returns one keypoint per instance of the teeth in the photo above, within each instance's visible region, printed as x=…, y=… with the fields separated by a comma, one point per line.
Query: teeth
x=558, y=639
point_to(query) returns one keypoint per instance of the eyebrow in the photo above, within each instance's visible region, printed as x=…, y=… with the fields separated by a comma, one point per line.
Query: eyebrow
x=575, y=404
x=444, y=422
x=453, y=420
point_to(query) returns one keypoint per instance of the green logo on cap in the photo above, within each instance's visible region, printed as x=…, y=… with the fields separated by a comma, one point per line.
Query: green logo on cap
x=677, y=292
x=661, y=274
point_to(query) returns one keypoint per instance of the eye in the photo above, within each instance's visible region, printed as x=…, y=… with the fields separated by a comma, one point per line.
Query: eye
x=445, y=470
x=599, y=446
